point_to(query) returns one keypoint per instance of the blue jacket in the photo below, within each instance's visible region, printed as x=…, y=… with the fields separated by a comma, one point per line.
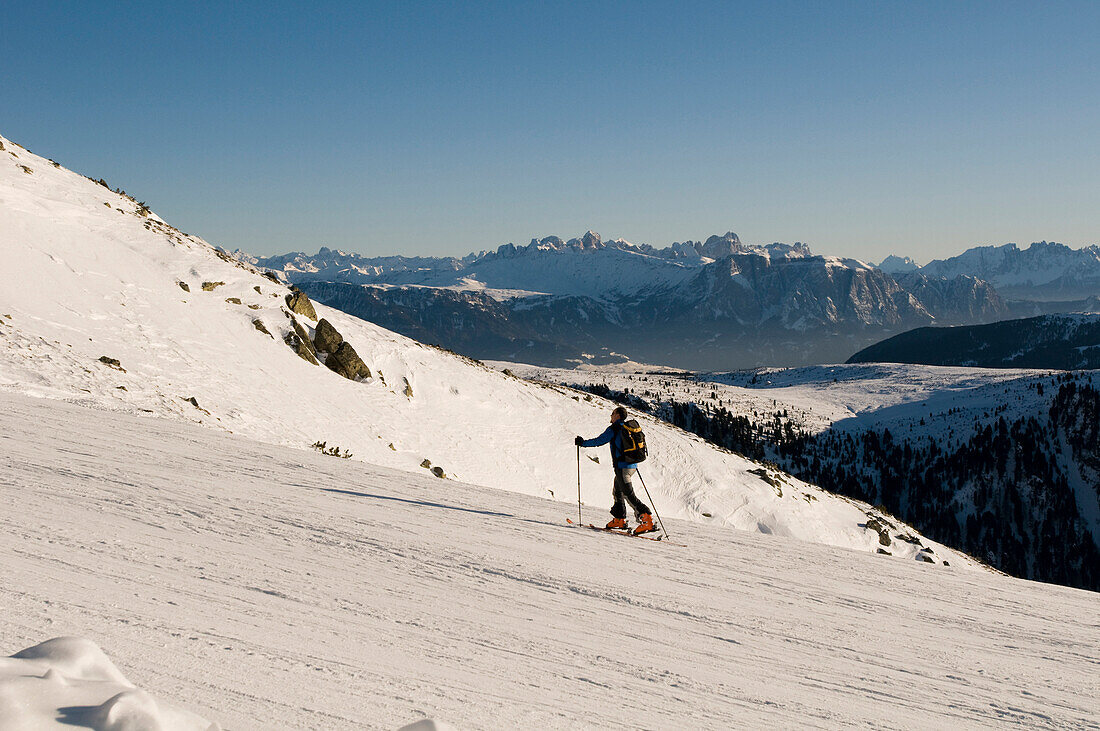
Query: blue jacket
x=613, y=435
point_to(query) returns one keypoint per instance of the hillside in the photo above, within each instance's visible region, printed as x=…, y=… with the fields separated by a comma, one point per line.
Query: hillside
x=118, y=310
x=267, y=587
x=1002, y=464
x=1066, y=342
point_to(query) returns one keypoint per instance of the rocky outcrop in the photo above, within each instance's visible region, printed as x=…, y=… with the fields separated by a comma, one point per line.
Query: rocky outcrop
x=326, y=339
x=303, y=348
x=340, y=356
x=298, y=302
x=347, y=363
x=211, y=286
x=112, y=363
x=302, y=335
x=299, y=342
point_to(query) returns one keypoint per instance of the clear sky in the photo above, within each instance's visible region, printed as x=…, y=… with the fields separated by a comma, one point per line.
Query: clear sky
x=862, y=129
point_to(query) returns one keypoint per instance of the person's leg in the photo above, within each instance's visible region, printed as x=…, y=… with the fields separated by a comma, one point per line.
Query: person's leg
x=618, y=509
x=625, y=482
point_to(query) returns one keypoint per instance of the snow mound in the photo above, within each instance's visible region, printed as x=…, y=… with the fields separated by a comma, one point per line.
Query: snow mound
x=69, y=681
x=428, y=724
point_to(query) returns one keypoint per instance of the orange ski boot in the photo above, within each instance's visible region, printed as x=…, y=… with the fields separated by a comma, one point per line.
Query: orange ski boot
x=645, y=524
x=616, y=523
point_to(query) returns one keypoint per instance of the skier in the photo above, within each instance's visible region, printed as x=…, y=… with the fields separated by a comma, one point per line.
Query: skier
x=625, y=471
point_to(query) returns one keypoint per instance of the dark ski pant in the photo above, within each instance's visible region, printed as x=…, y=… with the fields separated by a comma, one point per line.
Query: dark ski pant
x=623, y=493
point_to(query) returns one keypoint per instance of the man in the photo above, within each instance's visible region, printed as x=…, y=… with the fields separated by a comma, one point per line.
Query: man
x=625, y=470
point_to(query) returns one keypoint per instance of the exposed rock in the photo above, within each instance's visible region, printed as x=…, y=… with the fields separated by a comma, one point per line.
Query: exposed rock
x=253, y=307
x=303, y=348
x=347, y=363
x=926, y=558
x=259, y=325
x=326, y=338
x=211, y=286
x=438, y=472
x=302, y=334
x=195, y=402
x=272, y=277
x=879, y=527
x=257, y=288
x=393, y=447
x=298, y=302
x=183, y=286
x=112, y=363
x=408, y=388
x=26, y=169
x=884, y=552
x=426, y=464
x=233, y=300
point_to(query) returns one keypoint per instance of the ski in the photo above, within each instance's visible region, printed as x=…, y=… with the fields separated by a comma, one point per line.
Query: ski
x=659, y=538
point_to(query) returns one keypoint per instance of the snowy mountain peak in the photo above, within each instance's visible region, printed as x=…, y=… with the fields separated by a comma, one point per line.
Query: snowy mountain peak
x=1043, y=271
x=898, y=264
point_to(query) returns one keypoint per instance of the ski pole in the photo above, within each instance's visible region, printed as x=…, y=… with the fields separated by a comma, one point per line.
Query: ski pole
x=579, y=485
x=659, y=521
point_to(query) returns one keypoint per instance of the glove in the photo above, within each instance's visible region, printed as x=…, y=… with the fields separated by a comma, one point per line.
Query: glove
x=579, y=441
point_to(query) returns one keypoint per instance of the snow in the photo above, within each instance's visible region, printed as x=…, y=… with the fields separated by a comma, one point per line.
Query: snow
x=853, y=397
x=69, y=681
x=267, y=587
x=1011, y=268
x=169, y=510
x=96, y=283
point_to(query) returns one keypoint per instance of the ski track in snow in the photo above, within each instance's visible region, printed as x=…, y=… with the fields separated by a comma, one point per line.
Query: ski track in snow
x=267, y=587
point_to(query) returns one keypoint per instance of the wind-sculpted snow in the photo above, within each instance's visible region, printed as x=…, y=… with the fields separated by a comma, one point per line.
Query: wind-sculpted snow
x=68, y=681
x=267, y=587
x=117, y=310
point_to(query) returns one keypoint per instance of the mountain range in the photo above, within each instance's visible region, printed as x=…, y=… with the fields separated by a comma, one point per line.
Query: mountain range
x=712, y=304
x=1044, y=271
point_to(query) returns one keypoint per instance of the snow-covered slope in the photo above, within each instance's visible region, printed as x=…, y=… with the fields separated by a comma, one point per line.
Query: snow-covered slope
x=1000, y=463
x=270, y=588
x=112, y=308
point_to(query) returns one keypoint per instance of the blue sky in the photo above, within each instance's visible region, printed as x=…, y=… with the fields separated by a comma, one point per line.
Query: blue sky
x=860, y=128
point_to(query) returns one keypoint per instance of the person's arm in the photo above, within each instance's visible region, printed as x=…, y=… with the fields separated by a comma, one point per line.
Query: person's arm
x=601, y=440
